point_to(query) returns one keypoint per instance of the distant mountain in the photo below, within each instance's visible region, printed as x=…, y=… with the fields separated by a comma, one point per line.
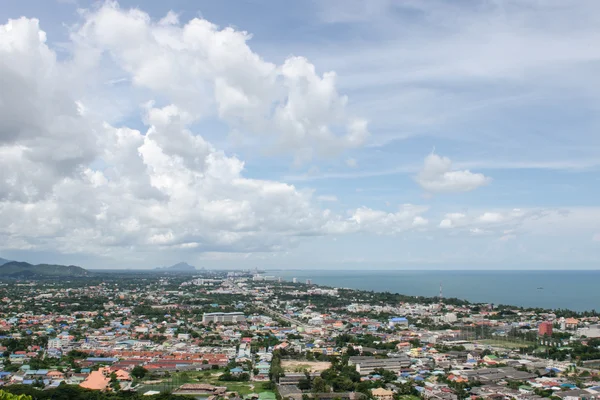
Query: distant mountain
x=3, y=261
x=17, y=269
x=182, y=266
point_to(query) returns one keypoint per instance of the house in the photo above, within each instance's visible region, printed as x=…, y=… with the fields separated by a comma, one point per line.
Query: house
x=263, y=368
x=571, y=323
x=122, y=375
x=97, y=380
x=382, y=394
x=55, y=375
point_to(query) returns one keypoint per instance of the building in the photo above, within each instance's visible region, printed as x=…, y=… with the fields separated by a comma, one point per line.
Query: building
x=382, y=394
x=545, y=329
x=398, y=321
x=232, y=317
x=97, y=380
x=366, y=365
x=571, y=323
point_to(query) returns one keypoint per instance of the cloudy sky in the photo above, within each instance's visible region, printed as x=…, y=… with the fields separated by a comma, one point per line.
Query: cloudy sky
x=309, y=134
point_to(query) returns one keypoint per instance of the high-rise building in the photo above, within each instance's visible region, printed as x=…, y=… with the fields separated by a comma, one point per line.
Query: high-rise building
x=294, y=280
x=545, y=329
x=309, y=282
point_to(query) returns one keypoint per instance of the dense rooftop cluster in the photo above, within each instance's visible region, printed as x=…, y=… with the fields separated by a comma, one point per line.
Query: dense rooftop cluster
x=242, y=335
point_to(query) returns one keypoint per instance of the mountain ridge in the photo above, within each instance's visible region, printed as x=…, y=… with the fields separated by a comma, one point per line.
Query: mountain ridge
x=21, y=269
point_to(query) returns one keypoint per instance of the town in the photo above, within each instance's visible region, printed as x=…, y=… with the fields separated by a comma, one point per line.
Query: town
x=247, y=335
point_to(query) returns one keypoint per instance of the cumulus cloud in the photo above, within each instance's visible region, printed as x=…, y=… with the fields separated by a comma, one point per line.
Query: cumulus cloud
x=205, y=70
x=365, y=219
x=72, y=182
x=503, y=223
x=437, y=176
x=40, y=121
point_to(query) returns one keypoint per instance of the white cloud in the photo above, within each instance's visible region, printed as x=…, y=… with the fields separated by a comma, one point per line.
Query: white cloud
x=419, y=221
x=437, y=176
x=446, y=223
x=504, y=224
x=491, y=217
x=379, y=222
x=351, y=162
x=75, y=184
x=40, y=121
x=71, y=183
x=205, y=70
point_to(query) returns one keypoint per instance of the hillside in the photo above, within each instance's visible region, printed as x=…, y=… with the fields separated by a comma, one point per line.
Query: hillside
x=182, y=266
x=17, y=269
x=3, y=261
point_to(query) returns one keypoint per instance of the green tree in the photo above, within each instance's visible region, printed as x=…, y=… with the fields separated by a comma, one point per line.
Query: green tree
x=9, y=396
x=139, y=372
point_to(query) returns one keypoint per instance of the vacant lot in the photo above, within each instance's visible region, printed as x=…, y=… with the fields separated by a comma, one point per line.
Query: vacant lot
x=304, y=366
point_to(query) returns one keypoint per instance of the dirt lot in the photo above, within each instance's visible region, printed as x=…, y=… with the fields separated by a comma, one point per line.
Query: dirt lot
x=301, y=366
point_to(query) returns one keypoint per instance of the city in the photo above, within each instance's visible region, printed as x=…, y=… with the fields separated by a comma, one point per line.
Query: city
x=243, y=334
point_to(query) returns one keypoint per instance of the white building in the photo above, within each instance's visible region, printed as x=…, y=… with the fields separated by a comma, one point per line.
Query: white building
x=231, y=317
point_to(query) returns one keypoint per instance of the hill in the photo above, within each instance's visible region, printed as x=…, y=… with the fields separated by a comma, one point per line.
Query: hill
x=18, y=269
x=182, y=266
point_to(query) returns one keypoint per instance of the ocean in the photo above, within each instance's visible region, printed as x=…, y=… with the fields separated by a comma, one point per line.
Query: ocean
x=574, y=290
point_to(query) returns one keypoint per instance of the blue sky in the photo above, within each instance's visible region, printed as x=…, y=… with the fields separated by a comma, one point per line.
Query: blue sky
x=313, y=134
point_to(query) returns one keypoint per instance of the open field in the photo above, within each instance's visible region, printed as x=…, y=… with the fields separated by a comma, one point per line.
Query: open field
x=210, y=377
x=302, y=366
x=505, y=343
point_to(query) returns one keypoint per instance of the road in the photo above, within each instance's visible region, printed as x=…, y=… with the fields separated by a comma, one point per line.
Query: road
x=286, y=318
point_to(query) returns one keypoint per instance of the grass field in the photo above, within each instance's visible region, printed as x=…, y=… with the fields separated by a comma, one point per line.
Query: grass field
x=409, y=397
x=210, y=377
x=505, y=343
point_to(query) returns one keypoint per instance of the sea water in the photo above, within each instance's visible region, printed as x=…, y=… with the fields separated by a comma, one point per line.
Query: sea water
x=575, y=290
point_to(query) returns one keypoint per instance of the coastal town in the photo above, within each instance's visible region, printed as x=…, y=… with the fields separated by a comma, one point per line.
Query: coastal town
x=247, y=335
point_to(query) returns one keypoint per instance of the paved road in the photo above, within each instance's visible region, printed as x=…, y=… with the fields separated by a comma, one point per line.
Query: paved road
x=286, y=318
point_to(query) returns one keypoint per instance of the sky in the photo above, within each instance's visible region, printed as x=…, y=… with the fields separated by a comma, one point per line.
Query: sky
x=334, y=134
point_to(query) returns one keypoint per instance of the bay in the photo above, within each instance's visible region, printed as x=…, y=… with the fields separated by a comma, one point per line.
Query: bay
x=575, y=290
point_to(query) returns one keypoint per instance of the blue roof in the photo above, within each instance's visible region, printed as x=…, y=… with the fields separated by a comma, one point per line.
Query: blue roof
x=36, y=372
x=568, y=385
x=102, y=359
x=398, y=319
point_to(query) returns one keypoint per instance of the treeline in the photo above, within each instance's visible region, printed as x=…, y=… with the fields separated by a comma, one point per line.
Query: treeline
x=73, y=392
